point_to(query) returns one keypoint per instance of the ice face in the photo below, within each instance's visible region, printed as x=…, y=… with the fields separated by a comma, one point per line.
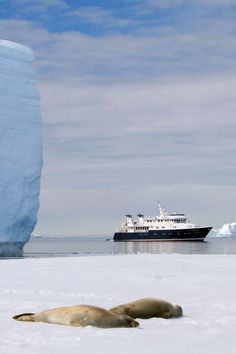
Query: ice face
x=228, y=229
x=20, y=148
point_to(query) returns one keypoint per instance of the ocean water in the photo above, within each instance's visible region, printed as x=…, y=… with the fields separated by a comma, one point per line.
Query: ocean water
x=82, y=246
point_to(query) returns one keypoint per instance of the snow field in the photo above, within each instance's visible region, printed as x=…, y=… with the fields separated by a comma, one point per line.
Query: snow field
x=204, y=285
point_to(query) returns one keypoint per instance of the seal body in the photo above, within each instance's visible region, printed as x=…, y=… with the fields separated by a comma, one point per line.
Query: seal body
x=148, y=308
x=81, y=316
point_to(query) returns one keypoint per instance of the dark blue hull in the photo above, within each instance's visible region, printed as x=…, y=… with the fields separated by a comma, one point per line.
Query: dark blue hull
x=193, y=234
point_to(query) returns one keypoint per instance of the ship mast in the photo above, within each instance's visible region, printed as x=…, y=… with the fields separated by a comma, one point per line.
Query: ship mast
x=162, y=211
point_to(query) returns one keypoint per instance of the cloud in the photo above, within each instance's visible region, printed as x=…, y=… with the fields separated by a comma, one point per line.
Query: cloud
x=154, y=54
x=132, y=17
x=24, y=32
x=145, y=71
x=20, y=7
x=40, y=12
x=182, y=3
x=100, y=17
x=183, y=124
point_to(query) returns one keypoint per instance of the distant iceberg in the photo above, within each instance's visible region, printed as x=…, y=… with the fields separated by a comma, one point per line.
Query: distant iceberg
x=228, y=230
x=20, y=148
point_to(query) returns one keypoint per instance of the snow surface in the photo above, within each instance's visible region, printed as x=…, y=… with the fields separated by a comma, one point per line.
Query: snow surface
x=204, y=285
x=20, y=153
x=228, y=230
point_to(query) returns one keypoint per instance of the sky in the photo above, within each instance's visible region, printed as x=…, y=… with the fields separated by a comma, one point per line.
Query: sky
x=138, y=104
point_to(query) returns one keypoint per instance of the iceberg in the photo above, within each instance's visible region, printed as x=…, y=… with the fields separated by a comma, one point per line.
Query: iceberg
x=228, y=229
x=20, y=148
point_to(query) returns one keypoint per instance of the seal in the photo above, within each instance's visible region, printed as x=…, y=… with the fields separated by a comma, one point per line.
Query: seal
x=148, y=308
x=80, y=316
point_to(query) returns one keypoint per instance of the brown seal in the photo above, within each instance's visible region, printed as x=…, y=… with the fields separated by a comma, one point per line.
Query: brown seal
x=81, y=316
x=147, y=308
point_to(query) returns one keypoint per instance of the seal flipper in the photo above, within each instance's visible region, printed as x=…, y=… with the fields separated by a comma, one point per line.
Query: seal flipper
x=24, y=317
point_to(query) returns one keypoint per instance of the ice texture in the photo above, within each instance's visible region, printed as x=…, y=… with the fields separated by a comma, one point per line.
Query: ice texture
x=204, y=285
x=228, y=229
x=20, y=148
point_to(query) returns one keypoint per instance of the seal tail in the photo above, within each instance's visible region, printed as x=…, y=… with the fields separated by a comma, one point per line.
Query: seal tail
x=24, y=317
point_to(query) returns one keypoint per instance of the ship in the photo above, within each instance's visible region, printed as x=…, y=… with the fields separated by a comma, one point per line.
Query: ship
x=163, y=227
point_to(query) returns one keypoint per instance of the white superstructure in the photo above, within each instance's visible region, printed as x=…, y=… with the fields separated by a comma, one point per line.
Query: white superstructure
x=163, y=221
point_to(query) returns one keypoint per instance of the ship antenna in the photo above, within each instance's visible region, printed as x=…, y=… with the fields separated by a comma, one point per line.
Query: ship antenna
x=159, y=207
x=161, y=210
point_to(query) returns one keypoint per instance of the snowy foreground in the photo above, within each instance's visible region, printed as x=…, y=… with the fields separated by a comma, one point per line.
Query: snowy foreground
x=204, y=285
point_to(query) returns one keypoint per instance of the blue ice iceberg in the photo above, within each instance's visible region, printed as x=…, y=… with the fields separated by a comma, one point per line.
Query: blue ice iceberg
x=20, y=148
x=228, y=230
